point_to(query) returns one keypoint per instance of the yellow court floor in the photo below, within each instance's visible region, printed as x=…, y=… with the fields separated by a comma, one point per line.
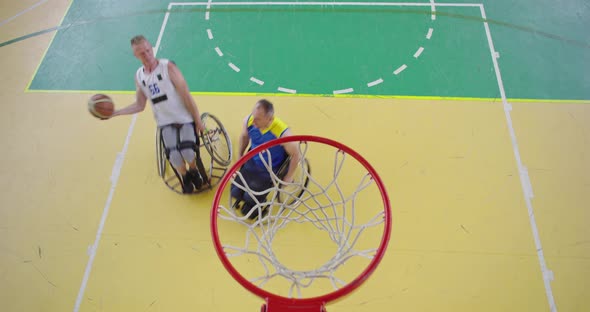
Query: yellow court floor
x=464, y=236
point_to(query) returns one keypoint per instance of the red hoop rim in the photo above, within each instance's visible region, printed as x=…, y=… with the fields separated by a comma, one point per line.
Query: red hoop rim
x=318, y=300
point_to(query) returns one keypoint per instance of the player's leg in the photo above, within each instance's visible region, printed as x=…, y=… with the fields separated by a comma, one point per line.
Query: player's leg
x=189, y=148
x=236, y=191
x=241, y=184
x=170, y=138
x=258, y=180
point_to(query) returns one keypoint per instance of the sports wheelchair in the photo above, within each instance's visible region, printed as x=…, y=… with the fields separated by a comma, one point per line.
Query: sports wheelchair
x=218, y=157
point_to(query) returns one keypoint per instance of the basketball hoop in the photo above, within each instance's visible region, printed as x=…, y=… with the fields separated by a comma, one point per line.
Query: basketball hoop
x=339, y=217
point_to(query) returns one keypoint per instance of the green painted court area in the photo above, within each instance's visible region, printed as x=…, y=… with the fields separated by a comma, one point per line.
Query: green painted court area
x=367, y=49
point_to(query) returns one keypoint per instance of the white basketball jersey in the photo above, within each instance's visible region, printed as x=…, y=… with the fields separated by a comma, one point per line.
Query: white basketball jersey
x=166, y=102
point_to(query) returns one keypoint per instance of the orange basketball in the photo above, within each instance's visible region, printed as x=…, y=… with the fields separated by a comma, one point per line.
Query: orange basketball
x=101, y=106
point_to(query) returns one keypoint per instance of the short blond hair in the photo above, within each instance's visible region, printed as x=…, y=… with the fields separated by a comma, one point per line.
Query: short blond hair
x=138, y=39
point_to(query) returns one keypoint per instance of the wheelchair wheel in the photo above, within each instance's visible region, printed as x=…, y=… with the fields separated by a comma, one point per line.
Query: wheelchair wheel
x=160, y=154
x=216, y=140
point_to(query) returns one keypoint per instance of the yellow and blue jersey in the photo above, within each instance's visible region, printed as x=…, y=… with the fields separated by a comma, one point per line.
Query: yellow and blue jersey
x=260, y=136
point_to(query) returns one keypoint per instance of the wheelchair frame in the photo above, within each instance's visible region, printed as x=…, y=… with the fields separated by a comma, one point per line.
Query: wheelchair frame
x=217, y=165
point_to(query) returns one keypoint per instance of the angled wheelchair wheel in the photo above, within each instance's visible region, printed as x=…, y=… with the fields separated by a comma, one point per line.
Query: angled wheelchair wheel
x=216, y=140
x=160, y=154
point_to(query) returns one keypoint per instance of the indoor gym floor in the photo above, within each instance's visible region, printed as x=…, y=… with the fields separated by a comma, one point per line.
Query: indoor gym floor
x=487, y=189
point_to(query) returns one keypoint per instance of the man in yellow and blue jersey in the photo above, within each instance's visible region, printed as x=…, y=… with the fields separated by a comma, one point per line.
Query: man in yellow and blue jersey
x=259, y=127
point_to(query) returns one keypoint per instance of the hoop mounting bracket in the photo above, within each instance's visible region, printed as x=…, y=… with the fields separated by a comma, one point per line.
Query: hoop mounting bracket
x=280, y=306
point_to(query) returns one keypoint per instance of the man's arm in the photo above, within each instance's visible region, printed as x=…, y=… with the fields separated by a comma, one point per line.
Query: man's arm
x=244, y=138
x=292, y=148
x=182, y=89
x=135, y=107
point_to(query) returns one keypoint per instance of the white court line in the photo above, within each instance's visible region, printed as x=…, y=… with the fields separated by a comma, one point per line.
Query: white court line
x=115, y=173
x=523, y=173
x=218, y=50
x=234, y=67
x=258, y=81
x=209, y=34
x=400, y=69
x=287, y=90
x=92, y=250
x=433, y=8
x=429, y=34
x=343, y=91
x=374, y=83
x=207, y=15
x=420, y=4
x=164, y=23
x=417, y=54
x=23, y=12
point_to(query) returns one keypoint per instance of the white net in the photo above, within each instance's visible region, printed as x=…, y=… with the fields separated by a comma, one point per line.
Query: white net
x=311, y=236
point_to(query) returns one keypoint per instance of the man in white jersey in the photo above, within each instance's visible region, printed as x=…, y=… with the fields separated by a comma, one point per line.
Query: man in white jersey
x=175, y=112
